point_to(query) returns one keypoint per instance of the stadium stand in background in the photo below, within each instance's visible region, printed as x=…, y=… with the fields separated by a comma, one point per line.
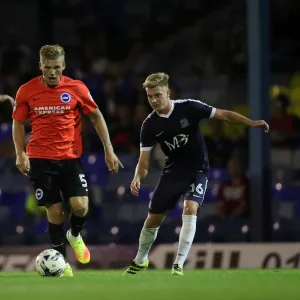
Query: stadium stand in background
x=113, y=63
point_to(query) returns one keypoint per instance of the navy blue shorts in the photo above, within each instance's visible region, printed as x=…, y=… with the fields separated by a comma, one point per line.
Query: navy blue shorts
x=171, y=187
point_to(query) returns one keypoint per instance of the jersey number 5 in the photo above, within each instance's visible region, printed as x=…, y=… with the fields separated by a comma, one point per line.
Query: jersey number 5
x=83, y=180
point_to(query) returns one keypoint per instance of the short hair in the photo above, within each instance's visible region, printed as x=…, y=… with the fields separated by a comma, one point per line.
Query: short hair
x=156, y=79
x=51, y=52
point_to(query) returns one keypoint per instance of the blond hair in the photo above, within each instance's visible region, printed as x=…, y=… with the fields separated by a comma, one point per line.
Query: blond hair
x=51, y=52
x=156, y=79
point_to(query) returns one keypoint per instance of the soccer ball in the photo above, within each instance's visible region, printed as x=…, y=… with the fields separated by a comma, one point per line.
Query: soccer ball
x=50, y=263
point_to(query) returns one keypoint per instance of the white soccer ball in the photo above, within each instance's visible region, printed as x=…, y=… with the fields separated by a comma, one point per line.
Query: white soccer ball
x=50, y=263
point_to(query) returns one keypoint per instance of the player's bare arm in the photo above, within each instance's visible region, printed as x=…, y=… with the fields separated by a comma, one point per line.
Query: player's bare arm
x=233, y=117
x=112, y=161
x=7, y=98
x=141, y=172
x=22, y=161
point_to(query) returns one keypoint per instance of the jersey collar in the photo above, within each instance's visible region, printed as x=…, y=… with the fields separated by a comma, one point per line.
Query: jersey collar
x=59, y=84
x=169, y=113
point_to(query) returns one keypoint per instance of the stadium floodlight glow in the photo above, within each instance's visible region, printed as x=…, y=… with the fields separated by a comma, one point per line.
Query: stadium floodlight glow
x=216, y=174
x=215, y=189
x=114, y=230
x=177, y=230
x=92, y=159
x=121, y=190
x=19, y=229
x=276, y=226
x=4, y=127
x=278, y=186
x=211, y=228
x=245, y=229
x=94, y=178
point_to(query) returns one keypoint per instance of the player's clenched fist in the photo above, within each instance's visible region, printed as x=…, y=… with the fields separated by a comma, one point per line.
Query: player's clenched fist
x=23, y=163
x=135, y=186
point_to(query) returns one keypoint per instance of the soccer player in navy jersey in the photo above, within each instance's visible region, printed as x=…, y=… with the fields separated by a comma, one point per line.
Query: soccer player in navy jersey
x=174, y=124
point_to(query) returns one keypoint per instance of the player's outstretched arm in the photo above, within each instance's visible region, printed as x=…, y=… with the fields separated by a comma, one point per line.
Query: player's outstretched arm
x=233, y=117
x=112, y=161
x=141, y=172
x=22, y=161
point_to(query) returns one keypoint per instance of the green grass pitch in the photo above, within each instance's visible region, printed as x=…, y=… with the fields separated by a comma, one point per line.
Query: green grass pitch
x=155, y=285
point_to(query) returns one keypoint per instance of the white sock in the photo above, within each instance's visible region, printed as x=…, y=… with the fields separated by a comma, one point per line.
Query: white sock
x=72, y=237
x=186, y=238
x=147, y=237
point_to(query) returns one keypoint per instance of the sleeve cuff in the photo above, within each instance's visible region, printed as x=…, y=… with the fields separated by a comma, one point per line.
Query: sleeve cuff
x=17, y=118
x=213, y=112
x=146, y=148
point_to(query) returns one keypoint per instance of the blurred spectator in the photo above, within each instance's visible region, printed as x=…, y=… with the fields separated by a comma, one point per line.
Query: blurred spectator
x=109, y=96
x=202, y=47
x=10, y=84
x=14, y=55
x=6, y=105
x=219, y=147
x=290, y=90
x=241, y=148
x=141, y=112
x=175, y=92
x=233, y=195
x=284, y=125
x=33, y=212
x=122, y=131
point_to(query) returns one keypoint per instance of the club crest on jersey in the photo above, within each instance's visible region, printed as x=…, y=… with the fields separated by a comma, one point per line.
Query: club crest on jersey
x=39, y=194
x=184, y=123
x=65, y=98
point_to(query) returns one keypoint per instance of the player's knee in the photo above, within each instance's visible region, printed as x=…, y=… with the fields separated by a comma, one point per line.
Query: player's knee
x=79, y=206
x=190, y=211
x=190, y=208
x=154, y=220
x=80, y=209
x=55, y=213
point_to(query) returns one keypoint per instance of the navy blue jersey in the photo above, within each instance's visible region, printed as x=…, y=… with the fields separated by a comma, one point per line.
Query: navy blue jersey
x=179, y=135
